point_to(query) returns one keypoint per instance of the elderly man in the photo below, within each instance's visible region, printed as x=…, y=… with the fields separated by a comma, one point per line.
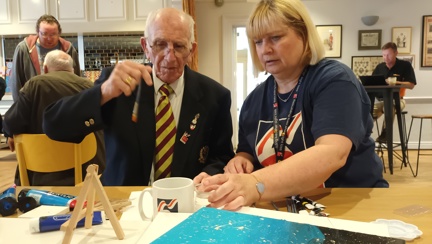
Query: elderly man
x=183, y=124
x=26, y=113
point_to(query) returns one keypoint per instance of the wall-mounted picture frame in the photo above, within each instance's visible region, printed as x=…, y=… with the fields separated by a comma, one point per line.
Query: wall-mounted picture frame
x=365, y=65
x=331, y=36
x=407, y=57
x=369, y=39
x=426, y=52
x=401, y=36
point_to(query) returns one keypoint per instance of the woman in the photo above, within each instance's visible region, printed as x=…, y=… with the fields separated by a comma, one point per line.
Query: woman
x=315, y=109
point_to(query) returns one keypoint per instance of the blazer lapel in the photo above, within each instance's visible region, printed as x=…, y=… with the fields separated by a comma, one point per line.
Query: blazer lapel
x=191, y=109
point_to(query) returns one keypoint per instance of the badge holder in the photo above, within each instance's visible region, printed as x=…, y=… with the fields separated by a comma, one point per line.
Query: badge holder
x=91, y=186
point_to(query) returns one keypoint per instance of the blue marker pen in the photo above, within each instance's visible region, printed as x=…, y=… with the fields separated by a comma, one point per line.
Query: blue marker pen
x=43, y=197
x=8, y=202
x=54, y=222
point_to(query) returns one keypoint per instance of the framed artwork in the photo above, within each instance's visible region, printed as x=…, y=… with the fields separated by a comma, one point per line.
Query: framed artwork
x=365, y=65
x=407, y=57
x=369, y=40
x=426, y=52
x=331, y=37
x=402, y=37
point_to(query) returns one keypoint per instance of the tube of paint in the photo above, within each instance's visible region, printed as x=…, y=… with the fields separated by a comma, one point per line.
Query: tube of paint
x=54, y=222
x=8, y=202
x=43, y=197
x=26, y=204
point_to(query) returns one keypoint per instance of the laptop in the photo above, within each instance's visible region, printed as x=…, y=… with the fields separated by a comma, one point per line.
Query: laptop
x=373, y=80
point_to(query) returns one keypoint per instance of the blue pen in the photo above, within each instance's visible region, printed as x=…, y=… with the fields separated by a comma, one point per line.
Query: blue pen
x=54, y=222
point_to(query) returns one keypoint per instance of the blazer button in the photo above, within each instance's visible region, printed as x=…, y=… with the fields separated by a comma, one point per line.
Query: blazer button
x=87, y=123
x=91, y=121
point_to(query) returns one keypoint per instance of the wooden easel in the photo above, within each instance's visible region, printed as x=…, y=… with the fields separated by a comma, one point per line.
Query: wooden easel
x=91, y=185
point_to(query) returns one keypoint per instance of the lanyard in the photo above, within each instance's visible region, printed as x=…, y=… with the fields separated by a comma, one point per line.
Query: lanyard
x=280, y=140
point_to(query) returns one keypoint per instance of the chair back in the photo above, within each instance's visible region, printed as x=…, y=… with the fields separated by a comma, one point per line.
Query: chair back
x=37, y=152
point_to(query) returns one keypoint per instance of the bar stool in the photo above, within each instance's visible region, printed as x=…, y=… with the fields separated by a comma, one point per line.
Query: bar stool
x=379, y=147
x=421, y=117
x=405, y=140
x=382, y=145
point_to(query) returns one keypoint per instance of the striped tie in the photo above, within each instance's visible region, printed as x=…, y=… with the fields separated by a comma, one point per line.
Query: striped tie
x=165, y=134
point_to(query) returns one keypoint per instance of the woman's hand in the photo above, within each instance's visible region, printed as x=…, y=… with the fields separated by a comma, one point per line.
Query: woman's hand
x=232, y=191
x=240, y=164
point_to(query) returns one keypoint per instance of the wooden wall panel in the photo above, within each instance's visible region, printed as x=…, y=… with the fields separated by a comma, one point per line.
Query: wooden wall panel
x=110, y=10
x=71, y=10
x=5, y=16
x=31, y=10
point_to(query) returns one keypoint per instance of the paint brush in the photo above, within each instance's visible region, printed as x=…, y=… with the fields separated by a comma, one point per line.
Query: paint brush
x=136, y=105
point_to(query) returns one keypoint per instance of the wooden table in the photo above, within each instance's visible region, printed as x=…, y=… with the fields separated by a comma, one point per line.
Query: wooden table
x=390, y=94
x=369, y=204
x=360, y=204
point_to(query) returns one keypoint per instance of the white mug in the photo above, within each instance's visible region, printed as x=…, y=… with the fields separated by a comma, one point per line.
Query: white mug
x=392, y=80
x=175, y=194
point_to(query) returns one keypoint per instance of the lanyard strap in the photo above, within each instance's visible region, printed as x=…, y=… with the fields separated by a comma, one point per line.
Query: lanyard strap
x=280, y=140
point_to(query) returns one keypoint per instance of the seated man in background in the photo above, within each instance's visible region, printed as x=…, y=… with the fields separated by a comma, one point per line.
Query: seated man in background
x=392, y=67
x=26, y=113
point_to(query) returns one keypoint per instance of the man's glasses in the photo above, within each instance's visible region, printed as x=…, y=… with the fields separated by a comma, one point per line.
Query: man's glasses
x=51, y=35
x=180, y=50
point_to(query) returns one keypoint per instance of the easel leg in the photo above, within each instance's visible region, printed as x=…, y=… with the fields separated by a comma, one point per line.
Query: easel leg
x=90, y=205
x=108, y=208
x=70, y=225
x=91, y=185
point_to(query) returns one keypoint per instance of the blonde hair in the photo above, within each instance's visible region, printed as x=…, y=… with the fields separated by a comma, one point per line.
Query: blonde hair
x=294, y=15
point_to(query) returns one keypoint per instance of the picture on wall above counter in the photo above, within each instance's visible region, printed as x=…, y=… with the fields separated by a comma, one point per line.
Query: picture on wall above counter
x=426, y=52
x=369, y=40
x=331, y=37
x=365, y=65
x=402, y=37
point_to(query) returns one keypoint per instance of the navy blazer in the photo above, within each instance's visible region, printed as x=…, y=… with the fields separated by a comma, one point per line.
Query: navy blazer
x=130, y=147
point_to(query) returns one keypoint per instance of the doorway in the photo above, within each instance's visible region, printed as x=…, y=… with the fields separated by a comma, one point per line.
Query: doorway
x=245, y=78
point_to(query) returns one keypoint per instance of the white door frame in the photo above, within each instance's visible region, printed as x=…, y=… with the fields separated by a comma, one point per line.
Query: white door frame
x=229, y=48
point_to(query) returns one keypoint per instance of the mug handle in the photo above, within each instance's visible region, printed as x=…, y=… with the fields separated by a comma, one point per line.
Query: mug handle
x=140, y=204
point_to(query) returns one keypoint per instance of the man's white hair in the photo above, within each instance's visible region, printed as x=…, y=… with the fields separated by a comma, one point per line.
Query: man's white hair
x=57, y=60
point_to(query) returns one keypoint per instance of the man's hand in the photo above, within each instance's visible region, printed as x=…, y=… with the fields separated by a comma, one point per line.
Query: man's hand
x=11, y=144
x=124, y=79
x=240, y=164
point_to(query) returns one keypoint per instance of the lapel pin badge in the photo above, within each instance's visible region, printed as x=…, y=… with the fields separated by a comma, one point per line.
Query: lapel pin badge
x=194, y=121
x=185, y=137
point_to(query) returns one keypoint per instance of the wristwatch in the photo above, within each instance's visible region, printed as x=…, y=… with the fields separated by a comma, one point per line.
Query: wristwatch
x=260, y=187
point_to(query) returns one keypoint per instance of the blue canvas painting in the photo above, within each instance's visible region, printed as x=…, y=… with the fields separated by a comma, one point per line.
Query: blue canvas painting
x=210, y=225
